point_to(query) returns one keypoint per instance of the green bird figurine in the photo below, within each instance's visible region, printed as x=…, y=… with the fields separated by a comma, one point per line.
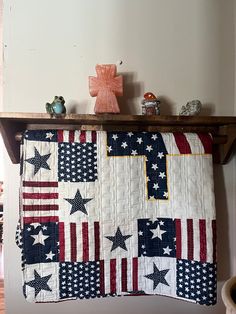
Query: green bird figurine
x=57, y=107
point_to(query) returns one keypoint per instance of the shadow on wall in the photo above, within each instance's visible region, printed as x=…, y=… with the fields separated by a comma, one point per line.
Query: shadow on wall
x=208, y=109
x=167, y=106
x=132, y=90
x=81, y=107
x=223, y=256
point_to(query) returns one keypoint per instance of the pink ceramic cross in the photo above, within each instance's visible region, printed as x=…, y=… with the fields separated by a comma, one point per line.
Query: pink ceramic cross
x=106, y=86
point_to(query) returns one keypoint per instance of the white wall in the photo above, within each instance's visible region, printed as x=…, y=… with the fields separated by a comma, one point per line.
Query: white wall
x=180, y=50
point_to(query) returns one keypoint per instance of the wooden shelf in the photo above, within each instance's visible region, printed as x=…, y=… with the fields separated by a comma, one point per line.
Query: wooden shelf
x=223, y=129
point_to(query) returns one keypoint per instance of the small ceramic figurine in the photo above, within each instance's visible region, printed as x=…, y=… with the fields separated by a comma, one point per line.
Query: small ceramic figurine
x=106, y=86
x=57, y=107
x=150, y=104
x=192, y=108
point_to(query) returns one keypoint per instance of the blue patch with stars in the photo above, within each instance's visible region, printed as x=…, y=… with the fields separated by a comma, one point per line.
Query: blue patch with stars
x=41, y=135
x=156, y=237
x=196, y=281
x=79, y=280
x=77, y=162
x=150, y=145
x=40, y=243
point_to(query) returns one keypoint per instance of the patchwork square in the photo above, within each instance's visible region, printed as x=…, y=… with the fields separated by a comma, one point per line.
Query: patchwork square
x=157, y=237
x=77, y=162
x=40, y=242
x=79, y=280
x=196, y=281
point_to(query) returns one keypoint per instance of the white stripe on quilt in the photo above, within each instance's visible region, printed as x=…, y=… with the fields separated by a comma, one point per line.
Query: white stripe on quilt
x=67, y=242
x=169, y=141
x=209, y=236
x=184, y=239
x=196, y=240
x=194, y=143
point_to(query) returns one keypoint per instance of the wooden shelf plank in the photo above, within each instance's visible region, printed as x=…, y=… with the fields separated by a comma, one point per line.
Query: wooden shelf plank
x=223, y=129
x=85, y=119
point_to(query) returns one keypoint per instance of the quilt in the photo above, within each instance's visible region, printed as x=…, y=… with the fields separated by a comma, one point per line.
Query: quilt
x=117, y=214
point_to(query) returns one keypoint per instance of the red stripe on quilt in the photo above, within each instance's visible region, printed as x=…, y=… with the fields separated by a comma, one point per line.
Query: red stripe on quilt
x=214, y=239
x=178, y=238
x=102, y=278
x=61, y=241
x=71, y=136
x=41, y=184
x=60, y=136
x=30, y=220
x=113, y=275
x=190, y=238
x=85, y=237
x=73, y=242
x=182, y=143
x=124, y=274
x=97, y=241
x=82, y=137
x=203, y=243
x=94, y=136
x=40, y=207
x=206, y=141
x=135, y=274
x=44, y=196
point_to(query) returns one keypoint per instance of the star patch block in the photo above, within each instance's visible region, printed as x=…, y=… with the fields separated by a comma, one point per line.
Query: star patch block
x=156, y=237
x=40, y=242
x=77, y=162
x=196, y=281
x=79, y=280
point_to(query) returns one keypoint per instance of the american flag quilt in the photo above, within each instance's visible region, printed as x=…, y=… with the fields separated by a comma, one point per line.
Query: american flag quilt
x=117, y=214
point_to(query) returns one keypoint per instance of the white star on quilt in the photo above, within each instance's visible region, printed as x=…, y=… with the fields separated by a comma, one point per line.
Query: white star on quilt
x=154, y=166
x=115, y=137
x=39, y=283
x=35, y=224
x=134, y=152
x=162, y=175
x=153, y=220
x=149, y=148
x=118, y=240
x=154, y=137
x=155, y=186
x=109, y=148
x=78, y=203
x=167, y=250
x=50, y=255
x=39, y=238
x=165, y=194
x=130, y=134
x=49, y=135
x=158, y=276
x=139, y=140
x=38, y=161
x=124, y=145
x=160, y=155
x=157, y=233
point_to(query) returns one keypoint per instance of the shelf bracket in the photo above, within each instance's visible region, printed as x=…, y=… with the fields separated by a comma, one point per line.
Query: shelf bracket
x=227, y=148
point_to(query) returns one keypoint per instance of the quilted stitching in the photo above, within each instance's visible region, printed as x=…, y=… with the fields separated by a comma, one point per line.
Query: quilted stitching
x=117, y=213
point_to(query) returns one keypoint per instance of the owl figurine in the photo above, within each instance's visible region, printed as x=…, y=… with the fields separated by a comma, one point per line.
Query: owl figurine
x=57, y=107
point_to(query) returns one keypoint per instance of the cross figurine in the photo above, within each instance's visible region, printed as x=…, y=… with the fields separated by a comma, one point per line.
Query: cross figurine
x=106, y=86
